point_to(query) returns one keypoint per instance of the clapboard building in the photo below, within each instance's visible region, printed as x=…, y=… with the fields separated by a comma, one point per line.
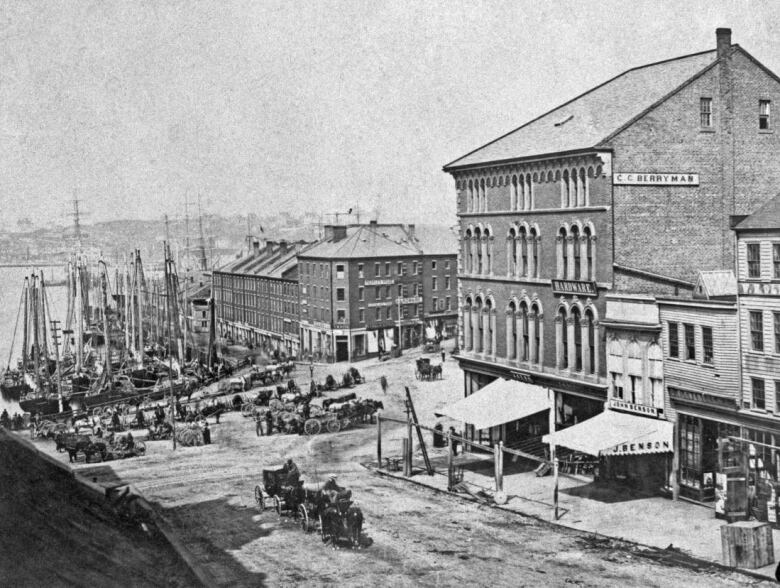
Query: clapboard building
x=628, y=188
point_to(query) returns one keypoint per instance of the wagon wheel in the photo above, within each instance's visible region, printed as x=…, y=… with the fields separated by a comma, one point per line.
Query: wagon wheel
x=304, y=514
x=334, y=426
x=278, y=503
x=259, y=497
x=312, y=427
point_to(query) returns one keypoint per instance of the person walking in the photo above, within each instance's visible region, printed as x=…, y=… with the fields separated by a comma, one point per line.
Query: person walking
x=443, y=356
x=269, y=423
x=206, y=434
x=311, y=370
x=383, y=383
x=258, y=421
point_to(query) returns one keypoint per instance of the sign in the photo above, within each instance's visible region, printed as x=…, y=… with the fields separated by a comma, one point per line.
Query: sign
x=753, y=289
x=641, y=447
x=378, y=304
x=655, y=179
x=521, y=377
x=574, y=287
x=385, y=282
x=635, y=408
x=411, y=300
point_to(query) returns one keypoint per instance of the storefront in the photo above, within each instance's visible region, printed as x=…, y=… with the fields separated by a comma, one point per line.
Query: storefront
x=698, y=441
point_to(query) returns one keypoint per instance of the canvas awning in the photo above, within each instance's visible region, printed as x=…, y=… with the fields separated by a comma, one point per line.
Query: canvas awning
x=501, y=401
x=616, y=433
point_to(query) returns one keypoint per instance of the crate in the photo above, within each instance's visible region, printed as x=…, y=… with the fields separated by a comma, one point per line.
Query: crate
x=747, y=544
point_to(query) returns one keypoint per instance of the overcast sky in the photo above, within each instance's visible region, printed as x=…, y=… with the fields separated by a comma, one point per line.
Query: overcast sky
x=268, y=106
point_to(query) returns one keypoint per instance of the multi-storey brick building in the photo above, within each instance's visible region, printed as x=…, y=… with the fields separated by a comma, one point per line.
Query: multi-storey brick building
x=367, y=288
x=627, y=188
x=256, y=297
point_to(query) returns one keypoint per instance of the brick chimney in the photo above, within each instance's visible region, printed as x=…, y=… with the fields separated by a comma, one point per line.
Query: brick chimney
x=335, y=232
x=723, y=41
x=410, y=232
x=255, y=246
x=282, y=246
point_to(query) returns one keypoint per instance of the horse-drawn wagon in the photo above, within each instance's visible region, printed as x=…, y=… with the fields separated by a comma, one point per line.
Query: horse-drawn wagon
x=425, y=371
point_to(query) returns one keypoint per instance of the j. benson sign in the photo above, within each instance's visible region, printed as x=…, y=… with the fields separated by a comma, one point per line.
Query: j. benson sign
x=654, y=179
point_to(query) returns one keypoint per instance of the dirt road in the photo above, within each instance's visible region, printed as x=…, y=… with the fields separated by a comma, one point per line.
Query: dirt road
x=413, y=536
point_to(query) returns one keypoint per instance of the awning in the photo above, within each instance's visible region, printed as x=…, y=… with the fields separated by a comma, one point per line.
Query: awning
x=501, y=401
x=616, y=433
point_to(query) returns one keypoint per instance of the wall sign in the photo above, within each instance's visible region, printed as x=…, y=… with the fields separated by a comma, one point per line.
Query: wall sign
x=635, y=408
x=521, y=377
x=655, y=179
x=385, y=282
x=574, y=287
x=753, y=289
x=410, y=300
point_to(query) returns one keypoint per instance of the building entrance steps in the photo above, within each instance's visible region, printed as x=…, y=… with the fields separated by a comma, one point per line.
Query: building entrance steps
x=652, y=521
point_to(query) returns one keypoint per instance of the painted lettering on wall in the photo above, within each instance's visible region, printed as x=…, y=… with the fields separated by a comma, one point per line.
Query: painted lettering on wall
x=759, y=289
x=649, y=446
x=574, y=287
x=655, y=179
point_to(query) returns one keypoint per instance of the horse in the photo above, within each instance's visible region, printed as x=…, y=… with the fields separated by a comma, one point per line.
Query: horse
x=342, y=520
x=437, y=372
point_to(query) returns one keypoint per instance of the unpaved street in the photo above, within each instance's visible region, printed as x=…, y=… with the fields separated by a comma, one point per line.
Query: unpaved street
x=412, y=535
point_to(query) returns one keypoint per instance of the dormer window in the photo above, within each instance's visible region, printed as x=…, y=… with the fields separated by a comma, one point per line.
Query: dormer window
x=705, y=112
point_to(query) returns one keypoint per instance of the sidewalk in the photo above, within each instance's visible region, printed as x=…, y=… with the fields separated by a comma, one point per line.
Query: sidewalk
x=651, y=521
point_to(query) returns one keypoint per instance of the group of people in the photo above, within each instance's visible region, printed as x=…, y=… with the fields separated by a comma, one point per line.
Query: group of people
x=15, y=423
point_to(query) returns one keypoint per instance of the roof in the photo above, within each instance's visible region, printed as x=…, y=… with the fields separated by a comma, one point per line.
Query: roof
x=272, y=261
x=589, y=119
x=386, y=240
x=501, y=401
x=713, y=284
x=766, y=217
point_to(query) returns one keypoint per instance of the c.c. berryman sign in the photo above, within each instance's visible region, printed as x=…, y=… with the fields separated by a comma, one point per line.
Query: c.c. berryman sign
x=574, y=287
x=654, y=179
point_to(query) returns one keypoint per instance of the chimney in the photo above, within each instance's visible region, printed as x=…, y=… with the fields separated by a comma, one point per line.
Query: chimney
x=410, y=231
x=255, y=246
x=372, y=223
x=335, y=232
x=723, y=38
x=283, y=246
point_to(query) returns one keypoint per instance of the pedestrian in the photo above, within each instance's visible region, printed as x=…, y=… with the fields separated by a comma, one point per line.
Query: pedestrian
x=454, y=441
x=383, y=383
x=311, y=370
x=218, y=413
x=269, y=423
x=443, y=356
x=258, y=420
x=206, y=434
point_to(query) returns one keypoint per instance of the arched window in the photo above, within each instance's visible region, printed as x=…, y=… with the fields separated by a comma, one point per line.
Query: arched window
x=565, y=189
x=591, y=342
x=488, y=267
x=479, y=330
x=478, y=248
x=577, y=359
x=575, y=237
x=587, y=272
x=564, y=339
x=563, y=256
x=511, y=331
x=534, y=253
x=511, y=266
x=483, y=207
x=524, y=327
x=537, y=348
x=468, y=324
x=513, y=195
x=470, y=197
x=583, y=192
x=523, y=252
x=574, y=194
x=467, y=252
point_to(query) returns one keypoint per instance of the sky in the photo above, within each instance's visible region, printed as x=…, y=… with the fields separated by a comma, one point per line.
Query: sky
x=264, y=106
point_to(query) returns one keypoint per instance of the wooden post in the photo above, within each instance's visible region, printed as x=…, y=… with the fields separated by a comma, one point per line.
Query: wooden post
x=410, y=444
x=407, y=455
x=500, y=479
x=554, y=459
x=496, y=466
x=379, y=441
x=675, y=465
x=450, y=462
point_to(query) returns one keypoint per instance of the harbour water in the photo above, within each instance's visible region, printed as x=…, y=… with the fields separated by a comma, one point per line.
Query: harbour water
x=11, y=283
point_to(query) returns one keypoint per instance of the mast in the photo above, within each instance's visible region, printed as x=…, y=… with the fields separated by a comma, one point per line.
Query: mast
x=201, y=240
x=79, y=304
x=26, y=325
x=104, y=283
x=127, y=305
x=43, y=320
x=139, y=321
x=36, y=348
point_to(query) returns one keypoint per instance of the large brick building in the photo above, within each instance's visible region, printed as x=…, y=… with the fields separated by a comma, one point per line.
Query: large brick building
x=367, y=288
x=628, y=188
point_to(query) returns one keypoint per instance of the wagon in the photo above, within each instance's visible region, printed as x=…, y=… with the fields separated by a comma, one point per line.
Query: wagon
x=274, y=491
x=423, y=368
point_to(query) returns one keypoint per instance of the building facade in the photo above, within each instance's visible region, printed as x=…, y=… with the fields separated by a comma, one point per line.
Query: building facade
x=366, y=289
x=626, y=189
x=257, y=298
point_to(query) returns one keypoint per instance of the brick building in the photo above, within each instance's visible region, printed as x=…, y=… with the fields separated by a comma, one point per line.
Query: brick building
x=626, y=189
x=256, y=297
x=367, y=288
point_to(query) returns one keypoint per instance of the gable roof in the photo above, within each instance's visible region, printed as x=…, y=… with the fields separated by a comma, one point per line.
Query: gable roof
x=766, y=217
x=592, y=117
x=272, y=261
x=715, y=284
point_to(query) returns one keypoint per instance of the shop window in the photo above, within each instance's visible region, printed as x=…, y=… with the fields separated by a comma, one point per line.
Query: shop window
x=706, y=343
x=340, y=271
x=757, y=330
x=690, y=451
x=674, y=343
x=690, y=343
x=705, y=113
x=754, y=260
x=758, y=393
x=764, y=123
x=340, y=294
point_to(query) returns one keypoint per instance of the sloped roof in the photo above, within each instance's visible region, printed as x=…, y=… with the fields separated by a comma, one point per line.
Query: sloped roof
x=713, y=284
x=766, y=217
x=590, y=118
x=386, y=240
x=271, y=261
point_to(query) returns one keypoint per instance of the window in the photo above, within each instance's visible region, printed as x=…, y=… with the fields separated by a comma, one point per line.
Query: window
x=362, y=315
x=360, y=293
x=377, y=272
x=447, y=283
x=617, y=385
x=776, y=260
x=341, y=316
x=690, y=343
x=777, y=397
x=414, y=268
x=406, y=311
x=447, y=264
x=759, y=397
x=400, y=290
x=434, y=302
x=705, y=112
x=378, y=292
x=433, y=264
x=674, y=343
x=379, y=314
x=418, y=309
x=763, y=114
x=340, y=294
x=401, y=268
x=387, y=268
x=754, y=260
x=360, y=270
x=340, y=271
x=757, y=330
x=434, y=283
x=449, y=303
x=706, y=343
x=777, y=332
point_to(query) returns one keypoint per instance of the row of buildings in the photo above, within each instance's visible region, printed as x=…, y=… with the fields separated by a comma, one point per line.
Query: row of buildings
x=623, y=251
x=358, y=291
